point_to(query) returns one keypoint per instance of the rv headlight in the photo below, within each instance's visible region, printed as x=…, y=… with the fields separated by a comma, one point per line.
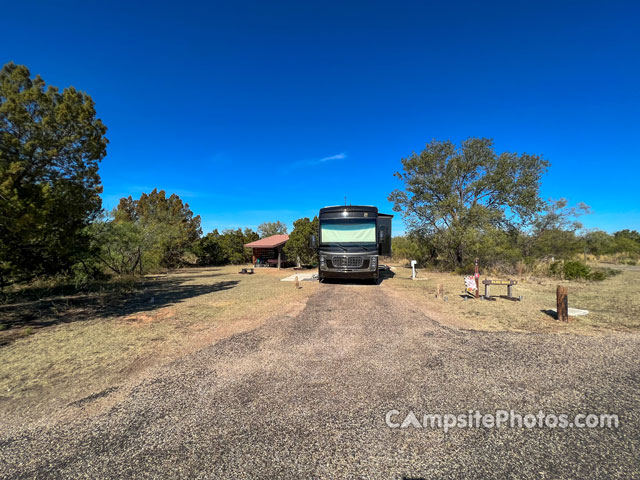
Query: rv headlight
x=373, y=262
x=323, y=261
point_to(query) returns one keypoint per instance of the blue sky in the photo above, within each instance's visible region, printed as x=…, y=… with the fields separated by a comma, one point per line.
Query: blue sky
x=264, y=111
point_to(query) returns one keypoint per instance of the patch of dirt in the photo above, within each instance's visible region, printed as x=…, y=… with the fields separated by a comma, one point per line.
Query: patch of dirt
x=145, y=318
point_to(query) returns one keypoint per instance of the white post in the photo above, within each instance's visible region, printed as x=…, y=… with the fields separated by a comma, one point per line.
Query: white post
x=413, y=269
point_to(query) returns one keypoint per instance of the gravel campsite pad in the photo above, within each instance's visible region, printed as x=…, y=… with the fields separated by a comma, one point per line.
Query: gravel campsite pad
x=306, y=394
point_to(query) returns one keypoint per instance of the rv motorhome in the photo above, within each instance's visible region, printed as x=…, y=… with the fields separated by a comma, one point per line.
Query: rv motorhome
x=350, y=240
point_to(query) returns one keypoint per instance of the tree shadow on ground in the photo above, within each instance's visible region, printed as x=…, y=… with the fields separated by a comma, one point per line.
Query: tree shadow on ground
x=68, y=289
x=146, y=296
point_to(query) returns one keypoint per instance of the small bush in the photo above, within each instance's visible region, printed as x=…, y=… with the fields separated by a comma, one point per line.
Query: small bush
x=602, y=274
x=575, y=270
x=597, y=276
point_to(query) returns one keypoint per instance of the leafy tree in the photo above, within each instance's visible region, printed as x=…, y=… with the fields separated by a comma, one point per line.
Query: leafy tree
x=298, y=246
x=170, y=223
x=232, y=243
x=50, y=145
x=599, y=242
x=557, y=243
x=249, y=236
x=451, y=191
x=267, y=229
x=627, y=241
x=494, y=247
x=209, y=250
x=553, y=230
x=120, y=246
x=413, y=246
x=127, y=247
x=632, y=235
x=558, y=215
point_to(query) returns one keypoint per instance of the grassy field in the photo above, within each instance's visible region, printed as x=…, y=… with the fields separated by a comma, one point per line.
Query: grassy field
x=70, y=347
x=613, y=304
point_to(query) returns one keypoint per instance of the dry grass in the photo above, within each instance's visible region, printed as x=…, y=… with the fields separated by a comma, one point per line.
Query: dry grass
x=96, y=342
x=615, y=259
x=613, y=304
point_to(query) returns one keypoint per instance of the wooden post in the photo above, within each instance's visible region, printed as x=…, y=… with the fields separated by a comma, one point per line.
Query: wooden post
x=278, y=258
x=509, y=291
x=486, y=290
x=297, y=283
x=562, y=303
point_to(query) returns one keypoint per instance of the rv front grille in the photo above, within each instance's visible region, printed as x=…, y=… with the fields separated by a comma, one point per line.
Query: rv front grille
x=347, y=261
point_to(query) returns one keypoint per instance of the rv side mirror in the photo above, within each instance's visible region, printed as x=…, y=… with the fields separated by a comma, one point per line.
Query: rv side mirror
x=312, y=241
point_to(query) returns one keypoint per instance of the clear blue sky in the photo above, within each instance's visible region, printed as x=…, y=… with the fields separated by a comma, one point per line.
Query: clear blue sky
x=262, y=111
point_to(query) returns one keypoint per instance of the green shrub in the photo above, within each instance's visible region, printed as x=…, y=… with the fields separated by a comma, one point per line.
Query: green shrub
x=602, y=274
x=574, y=270
x=597, y=276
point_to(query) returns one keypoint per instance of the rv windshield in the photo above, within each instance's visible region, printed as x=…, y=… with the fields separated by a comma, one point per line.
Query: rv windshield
x=348, y=231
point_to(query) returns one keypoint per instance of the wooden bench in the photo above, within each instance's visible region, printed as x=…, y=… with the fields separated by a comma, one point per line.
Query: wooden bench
x=508, y=283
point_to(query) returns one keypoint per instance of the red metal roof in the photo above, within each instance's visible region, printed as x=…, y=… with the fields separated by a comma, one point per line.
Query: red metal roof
x=269, y=242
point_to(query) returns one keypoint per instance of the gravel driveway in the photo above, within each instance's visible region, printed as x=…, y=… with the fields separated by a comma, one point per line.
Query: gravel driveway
x=306, y=396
